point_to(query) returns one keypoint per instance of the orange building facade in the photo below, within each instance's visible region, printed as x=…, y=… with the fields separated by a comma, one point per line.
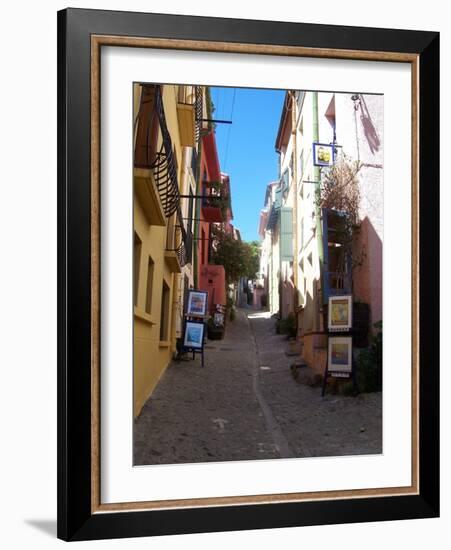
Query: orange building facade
x=210, y=277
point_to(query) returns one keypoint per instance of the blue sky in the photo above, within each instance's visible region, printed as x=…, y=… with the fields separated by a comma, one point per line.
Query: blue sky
x=246, y=148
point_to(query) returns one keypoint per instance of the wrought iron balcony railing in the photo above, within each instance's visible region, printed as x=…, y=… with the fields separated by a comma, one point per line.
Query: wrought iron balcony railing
x=164, y=166
x=162, y=163
x=180, y=240
x=198, y=110
x=193, y=95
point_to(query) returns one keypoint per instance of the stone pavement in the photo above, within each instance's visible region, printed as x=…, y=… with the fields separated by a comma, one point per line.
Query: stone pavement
x=245, y=405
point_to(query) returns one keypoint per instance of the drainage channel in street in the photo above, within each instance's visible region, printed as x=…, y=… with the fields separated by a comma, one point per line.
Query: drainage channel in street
x=274, y=429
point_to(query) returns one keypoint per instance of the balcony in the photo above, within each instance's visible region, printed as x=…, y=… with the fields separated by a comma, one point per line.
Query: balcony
x=155, y=177
x=189, y=113
x=187, y=124
x=146, y=191
x=212, y=214
x=154, y=158
x=179, y=244
x=214, y=205
x=172, y=260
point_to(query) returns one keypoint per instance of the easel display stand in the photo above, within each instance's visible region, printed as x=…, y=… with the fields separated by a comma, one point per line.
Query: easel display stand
x=340, y=358
x=194, y=325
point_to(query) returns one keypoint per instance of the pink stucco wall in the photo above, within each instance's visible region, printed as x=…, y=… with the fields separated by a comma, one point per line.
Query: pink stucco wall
x=367, y=276
x=212, y=279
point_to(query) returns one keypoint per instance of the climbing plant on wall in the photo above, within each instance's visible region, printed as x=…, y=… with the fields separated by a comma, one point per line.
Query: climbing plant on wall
x=340, y=196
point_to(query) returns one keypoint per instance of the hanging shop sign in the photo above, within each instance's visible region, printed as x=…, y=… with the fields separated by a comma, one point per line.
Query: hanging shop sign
x=323, y=154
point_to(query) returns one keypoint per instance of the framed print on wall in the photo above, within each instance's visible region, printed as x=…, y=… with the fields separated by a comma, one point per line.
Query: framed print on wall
x=101, y=56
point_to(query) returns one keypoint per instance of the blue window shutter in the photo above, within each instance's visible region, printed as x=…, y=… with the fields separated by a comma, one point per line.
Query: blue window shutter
x=286, y=234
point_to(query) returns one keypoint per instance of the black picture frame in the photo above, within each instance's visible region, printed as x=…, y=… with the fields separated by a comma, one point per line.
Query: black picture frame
x=192, y=292
x=187, y=343
x=76, y=518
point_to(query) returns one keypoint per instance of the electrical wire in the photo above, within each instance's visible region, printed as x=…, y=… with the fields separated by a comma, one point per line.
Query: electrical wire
x=229, y=130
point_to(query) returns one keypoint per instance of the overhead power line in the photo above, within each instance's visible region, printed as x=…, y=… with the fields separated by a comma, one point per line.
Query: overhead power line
x=229, y=130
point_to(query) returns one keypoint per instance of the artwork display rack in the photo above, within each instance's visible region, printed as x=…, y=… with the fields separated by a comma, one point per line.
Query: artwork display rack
x=196, y=315
x=345, y=332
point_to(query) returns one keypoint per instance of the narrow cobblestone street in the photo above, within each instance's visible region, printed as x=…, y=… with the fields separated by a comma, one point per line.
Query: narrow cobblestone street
x=245, y=405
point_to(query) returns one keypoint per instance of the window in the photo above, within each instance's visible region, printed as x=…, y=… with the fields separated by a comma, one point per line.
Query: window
x=164, y=316
x=136, y=265
x=149, y=286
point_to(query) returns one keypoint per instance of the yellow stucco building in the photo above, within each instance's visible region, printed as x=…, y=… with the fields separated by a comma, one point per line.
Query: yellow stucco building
x=166, y=132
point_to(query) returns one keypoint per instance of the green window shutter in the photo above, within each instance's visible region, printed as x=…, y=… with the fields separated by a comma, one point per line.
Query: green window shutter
x=286, y=234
